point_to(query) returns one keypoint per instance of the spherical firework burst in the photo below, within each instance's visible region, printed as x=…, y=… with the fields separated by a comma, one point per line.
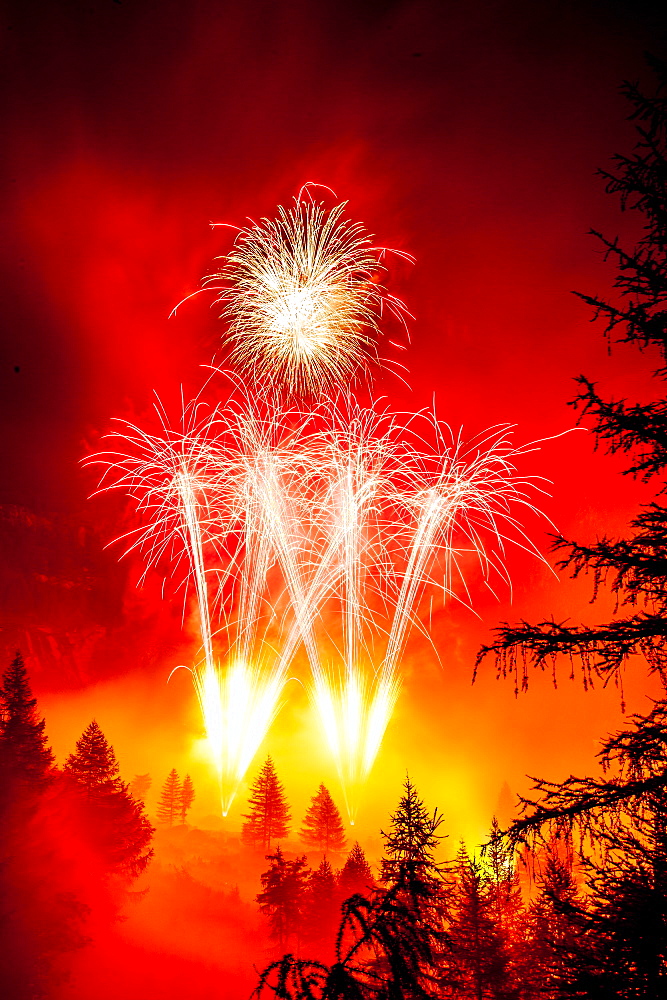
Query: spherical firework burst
x=302, y=297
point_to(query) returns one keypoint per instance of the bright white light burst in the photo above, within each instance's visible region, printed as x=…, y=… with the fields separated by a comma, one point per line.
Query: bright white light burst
x=303, y=298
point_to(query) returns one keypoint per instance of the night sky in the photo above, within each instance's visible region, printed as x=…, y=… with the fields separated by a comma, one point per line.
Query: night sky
x=467, y=134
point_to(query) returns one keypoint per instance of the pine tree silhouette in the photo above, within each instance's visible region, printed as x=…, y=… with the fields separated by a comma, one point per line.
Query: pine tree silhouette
x=115, y=822
x=42, y=917
x=24, y=754
x=622, y=931
x=356, y=876
x=555, y=921
x=387, y=948
x=322, y=909
x=93, y=765
x=411, y=841
x=283, y=897
x=635, y=566
x=187, y=797
x=504, y=887
x=621, y=944
x=322, y=826
x=169, y=805
x=269, y=816
x=413, y=906
x=478, y=959
x=139, y=786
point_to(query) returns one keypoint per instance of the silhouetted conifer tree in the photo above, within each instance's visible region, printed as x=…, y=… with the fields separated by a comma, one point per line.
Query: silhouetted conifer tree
x=414, y=901
x=139, y=786
x=504, y=886
x=24, y=754
x=93, y=764
x=410, y=843
x=283, y=897
x=508, y=910
x=322, y=826
x=187, y=797
x=622, y=933
x=42, y=919
x=389, y=947
x=621, y=943
x=269, y=816
x=377, y=957
x=479, y=960
x=322, y=910
x=115, y=823
x=635, y=566
x=169, y=804
x=356, y=876
x=554, y=921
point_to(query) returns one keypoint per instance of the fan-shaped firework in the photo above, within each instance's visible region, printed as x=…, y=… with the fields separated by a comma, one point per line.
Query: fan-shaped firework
x=303, y=299
x=215, y=500
x=322, y=532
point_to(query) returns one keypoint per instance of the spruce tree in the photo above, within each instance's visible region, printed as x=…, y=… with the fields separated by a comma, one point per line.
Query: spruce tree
x=507, y=907
x=635, y=567
x=555, y=921
x=269, y=816
x=322, y=826
x=386, y=948
x=356, y=875
x=321, y=911
x=478, y=960
x=93, y=765
x=139, y=786
x=24, y=754
x=169, y=805
x=283, y=897
x=620, y=822
x=187, y=797
x=411, y=841
x=114, y=823
x=412, y=908
x=42, y=915
x=505, y=887
x=622, y=943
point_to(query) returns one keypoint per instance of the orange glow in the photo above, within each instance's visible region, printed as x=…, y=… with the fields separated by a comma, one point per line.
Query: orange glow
x=466, y=134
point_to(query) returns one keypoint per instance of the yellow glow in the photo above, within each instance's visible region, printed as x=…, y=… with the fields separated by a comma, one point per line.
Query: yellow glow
x=238, y=705
x=355, y=713
x=321, y=538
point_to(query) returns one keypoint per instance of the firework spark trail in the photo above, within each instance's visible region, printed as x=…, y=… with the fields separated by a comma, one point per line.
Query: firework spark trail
x=168, y=476
x=455, y=490
x=352, y=513
x=278, y=471
x=303, y=299
x=360, y=460
x=195, y=490
x=321, y=528
x=473, y=495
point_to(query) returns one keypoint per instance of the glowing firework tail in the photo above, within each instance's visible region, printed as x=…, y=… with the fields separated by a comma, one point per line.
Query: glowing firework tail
x=187, y=486
x=395, y=514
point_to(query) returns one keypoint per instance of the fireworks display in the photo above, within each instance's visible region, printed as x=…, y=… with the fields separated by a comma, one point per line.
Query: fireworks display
x=317, y=526
x=303, y=298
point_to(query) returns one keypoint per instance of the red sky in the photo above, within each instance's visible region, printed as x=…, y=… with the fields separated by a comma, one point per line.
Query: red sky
x=465, y=133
